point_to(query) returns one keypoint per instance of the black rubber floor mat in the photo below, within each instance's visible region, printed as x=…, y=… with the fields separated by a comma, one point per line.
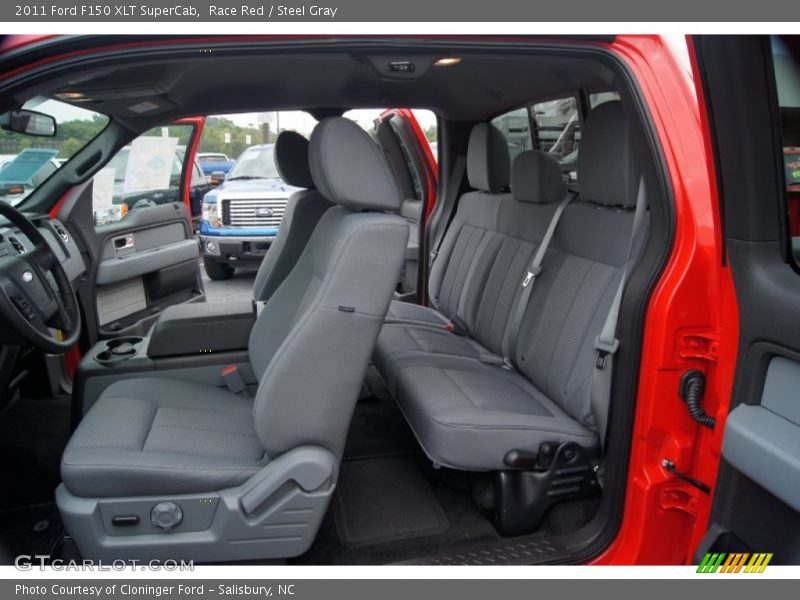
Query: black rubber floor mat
x=528, y=551
x=385, y=499
x=36, y=530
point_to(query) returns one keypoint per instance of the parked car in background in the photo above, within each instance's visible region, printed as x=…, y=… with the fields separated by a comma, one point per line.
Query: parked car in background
x=200, y=184
x=240, y=218
x=215, y=165
x=24, y=172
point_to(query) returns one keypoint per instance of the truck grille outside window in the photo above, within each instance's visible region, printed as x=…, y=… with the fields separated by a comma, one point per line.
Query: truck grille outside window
x=253, y=212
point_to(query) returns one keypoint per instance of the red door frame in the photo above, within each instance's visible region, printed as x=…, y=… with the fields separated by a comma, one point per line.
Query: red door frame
x=432, y=168
x=692, y=321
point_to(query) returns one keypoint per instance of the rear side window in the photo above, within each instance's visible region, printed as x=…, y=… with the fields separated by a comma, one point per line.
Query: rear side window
x=786, y=61
x=516, y=127
x=552, y=126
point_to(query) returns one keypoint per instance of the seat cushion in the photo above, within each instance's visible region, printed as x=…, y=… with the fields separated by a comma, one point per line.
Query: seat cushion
x=468, y=415
x=162, y=436
x=397, y=343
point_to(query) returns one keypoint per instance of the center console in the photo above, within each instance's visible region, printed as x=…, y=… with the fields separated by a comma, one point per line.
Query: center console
x=189, y=341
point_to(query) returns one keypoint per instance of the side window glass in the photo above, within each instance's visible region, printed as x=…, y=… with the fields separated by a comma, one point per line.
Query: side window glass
x=558, y=132
x=516, y=127
x=786, y=61
x=599, y=98
x=553, y=127
x=145, y=173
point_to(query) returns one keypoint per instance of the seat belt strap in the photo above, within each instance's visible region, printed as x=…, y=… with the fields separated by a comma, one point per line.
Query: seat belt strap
x=445, y=215
x=511, y=334
x=606, y=344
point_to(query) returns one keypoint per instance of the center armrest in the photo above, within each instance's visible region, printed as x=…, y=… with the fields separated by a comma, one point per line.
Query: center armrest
x=189, y=329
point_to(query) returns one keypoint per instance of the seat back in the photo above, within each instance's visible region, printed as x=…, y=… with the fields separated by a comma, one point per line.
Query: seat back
x=452, y=275
x=311, y=344
x=303, y=211
x=582, y=268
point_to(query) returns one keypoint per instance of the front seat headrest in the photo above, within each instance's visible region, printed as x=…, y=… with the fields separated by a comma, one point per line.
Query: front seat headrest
x=536, y=177
x=291, y=159
x=350, y=169
x=488, y=162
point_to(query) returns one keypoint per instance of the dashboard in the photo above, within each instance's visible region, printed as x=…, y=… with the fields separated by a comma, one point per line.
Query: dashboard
x=13, y=241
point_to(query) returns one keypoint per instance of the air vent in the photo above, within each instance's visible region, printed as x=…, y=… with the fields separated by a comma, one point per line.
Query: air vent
x=62, y=233
x=16, y=244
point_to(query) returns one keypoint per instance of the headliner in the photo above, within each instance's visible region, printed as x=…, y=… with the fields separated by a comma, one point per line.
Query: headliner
x=482, y=85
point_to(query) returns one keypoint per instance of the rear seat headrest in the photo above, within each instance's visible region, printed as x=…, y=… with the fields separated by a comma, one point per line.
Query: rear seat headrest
x=488, y=162
x=607, y=172
x=536, y=177
x=291, y=159
x=350, y=169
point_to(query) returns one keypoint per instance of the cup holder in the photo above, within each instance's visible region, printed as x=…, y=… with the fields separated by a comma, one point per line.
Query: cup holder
x=118, y=350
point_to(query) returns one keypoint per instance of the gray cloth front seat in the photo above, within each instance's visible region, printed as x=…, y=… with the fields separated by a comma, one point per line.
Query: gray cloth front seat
x=309, y=347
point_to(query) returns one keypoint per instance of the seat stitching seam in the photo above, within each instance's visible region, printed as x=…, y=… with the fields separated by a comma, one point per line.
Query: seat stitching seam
x=186, y=427
x=511, y=428
x=461, y=260
x=150, y=428
x=201, y=410
x=586, y=328
x=566, y=315
x=446, y=373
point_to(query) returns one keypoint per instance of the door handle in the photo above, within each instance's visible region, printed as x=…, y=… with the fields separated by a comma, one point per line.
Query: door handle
x=124, y=243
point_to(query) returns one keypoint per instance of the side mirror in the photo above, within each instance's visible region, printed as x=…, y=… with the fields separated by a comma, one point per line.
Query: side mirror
x=29, y=122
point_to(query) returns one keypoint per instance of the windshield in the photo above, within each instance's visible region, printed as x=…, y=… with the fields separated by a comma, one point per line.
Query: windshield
x=255, y=163
x=211, y=158
x=26, y=162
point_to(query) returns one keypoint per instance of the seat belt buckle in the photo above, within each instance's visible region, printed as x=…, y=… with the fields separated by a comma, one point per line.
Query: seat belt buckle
x=533, y=272
x=233, y=379
x=604, y=349
x=457, y=327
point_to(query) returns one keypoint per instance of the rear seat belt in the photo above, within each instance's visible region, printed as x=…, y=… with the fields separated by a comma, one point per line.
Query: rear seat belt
x=607, y=342
x=511, y=334
x=442, y=223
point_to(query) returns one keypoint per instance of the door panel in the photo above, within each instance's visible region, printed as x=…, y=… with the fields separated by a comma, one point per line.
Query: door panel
x=756, y=507
x=147, y=261
x=763, y=441
x=140, y=239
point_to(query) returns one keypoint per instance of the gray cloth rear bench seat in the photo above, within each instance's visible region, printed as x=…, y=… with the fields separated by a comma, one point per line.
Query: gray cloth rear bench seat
x=510, y=228
x=488, y=168
x=468, y=414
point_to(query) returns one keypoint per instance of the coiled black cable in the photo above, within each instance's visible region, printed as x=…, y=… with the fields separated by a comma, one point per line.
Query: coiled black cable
x=693, y=385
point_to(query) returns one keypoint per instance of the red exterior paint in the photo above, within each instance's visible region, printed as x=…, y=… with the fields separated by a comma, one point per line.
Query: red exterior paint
x=432, y=169
x=198, y=123
x=692, y=322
